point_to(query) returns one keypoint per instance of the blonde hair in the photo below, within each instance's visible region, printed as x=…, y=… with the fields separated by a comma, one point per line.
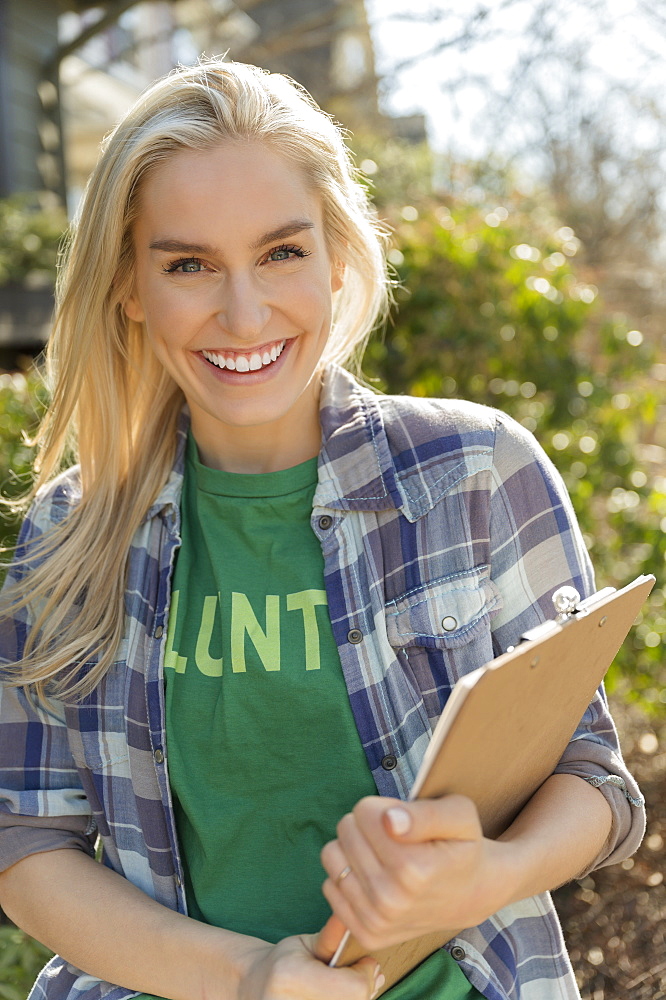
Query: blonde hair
x=114, y=407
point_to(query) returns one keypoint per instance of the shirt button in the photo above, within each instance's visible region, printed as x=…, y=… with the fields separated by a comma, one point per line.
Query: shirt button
x=158, y=756
x=355, y=635
x=448, y=624
x=389, y=762
x=159, y=632
x=179, y=881
x=325, y=522
x=458, y=953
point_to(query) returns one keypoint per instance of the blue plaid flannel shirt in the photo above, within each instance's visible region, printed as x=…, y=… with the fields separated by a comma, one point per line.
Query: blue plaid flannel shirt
x=433, y=509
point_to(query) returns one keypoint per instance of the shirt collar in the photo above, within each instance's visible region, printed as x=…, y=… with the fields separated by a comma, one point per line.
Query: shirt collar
x=168, y=499
x=357, y=468
x=396, y=452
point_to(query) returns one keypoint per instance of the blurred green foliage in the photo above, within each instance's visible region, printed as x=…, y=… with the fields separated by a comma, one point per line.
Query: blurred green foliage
x=31, y=230
x=491, y=307
x=21, y=958
x=22, y=401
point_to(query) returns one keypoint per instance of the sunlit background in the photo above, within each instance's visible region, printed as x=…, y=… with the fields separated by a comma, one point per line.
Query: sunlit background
x=517, y=151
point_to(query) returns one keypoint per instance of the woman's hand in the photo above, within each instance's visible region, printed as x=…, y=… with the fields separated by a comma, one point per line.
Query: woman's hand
x=289, y=971
x=415, y=868
x=148, y=948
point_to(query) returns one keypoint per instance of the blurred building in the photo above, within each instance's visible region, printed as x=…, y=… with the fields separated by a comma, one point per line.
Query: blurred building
x=30, y=135
x=70, y=68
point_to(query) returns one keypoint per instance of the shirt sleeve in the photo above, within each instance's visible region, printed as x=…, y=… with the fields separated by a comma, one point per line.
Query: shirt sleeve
x=536, y=547
x=42, y=803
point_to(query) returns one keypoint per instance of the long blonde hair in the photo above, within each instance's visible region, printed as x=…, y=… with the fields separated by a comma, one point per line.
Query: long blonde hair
x=114, y=408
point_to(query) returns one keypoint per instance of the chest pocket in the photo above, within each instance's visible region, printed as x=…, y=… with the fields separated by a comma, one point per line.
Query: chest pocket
x=444, y=614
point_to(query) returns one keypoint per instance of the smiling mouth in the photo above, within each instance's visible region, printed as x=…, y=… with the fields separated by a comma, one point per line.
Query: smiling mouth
x=251, y=362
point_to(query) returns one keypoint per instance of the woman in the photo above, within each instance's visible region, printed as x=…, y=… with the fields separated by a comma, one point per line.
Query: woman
x=237, y=619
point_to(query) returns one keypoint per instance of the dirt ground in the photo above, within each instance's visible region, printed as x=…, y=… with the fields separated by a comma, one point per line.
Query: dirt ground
x=615, y=920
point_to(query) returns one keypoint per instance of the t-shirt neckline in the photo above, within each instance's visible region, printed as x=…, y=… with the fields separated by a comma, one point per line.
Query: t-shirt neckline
x=245, y=484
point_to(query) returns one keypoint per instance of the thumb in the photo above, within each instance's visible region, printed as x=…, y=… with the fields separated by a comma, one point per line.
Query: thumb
x=369, y=969
x=327, y=941
x=453, y=817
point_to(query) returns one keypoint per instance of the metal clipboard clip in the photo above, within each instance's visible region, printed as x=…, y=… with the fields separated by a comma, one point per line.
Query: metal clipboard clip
x=568, y=606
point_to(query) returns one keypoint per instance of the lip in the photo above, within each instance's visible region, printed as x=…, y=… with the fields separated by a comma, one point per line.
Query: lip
x=228, y=377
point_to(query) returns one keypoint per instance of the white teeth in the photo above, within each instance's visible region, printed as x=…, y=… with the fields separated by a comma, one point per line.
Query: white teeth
x=216, y=359
x=241, y=363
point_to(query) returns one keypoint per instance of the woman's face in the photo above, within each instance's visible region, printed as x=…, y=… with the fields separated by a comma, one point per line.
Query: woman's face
x=234, y=283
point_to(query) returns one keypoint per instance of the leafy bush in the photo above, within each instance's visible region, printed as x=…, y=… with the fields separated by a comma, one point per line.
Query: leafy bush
x=21, y=958
x=22, y=400
x=31, y=229
x=491, y=308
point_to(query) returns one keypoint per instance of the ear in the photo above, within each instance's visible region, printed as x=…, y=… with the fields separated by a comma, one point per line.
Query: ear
x=337, y=275
x=133, y=308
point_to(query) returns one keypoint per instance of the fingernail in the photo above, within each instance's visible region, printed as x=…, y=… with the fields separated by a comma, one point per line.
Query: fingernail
x=379, y=982
x=399, y=819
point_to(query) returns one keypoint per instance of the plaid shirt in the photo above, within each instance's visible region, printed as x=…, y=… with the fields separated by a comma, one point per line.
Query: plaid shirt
x=426, y=510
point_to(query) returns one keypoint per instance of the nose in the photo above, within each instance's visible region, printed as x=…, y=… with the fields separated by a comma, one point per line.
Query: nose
x=242, y=309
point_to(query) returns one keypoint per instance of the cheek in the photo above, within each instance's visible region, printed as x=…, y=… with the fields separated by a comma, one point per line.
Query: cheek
x=312, y=299
x=168, y=317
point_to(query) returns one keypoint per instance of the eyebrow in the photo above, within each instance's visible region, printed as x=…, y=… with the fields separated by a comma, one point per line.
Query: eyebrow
x=206, y=250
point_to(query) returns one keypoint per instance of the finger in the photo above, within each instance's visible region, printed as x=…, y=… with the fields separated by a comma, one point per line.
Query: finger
x=353, y=851
x=370, y=909
x=333, y=859
x=327, y=942
x=368, y=968
x=453, y=817
x=342, y=890
x=362, y=857
x=349, y=903
x=364, y=837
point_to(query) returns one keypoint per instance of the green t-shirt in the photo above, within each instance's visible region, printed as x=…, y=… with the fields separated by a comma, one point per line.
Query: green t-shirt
x=264, y=755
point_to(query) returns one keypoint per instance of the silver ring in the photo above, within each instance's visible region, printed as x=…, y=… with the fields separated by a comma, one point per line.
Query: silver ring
x=343, y=875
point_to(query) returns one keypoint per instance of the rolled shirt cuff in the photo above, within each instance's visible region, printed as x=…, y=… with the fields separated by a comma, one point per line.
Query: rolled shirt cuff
x=21, y=836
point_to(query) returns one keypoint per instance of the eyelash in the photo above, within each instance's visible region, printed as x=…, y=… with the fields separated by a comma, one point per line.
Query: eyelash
x=173, y=266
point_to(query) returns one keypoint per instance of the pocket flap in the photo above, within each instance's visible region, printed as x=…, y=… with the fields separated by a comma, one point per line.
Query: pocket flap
x=445, y=613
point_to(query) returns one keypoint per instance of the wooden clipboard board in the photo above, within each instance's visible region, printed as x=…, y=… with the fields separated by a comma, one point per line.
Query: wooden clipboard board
x=506, y=725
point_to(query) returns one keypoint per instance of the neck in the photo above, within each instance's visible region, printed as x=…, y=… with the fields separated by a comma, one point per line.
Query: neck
x=271, y=447
x=248, y=452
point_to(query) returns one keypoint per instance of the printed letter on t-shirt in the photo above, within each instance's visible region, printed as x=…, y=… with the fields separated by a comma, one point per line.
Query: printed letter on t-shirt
x=306, y=601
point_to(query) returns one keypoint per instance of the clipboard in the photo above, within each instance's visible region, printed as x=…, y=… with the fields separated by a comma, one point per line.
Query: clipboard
x=506, y=725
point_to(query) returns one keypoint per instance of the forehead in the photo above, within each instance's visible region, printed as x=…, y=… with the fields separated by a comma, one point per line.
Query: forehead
x=238, y=185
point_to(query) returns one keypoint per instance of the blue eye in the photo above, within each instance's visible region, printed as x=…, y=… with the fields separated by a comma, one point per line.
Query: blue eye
x=286, y=253
x=192, y=265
